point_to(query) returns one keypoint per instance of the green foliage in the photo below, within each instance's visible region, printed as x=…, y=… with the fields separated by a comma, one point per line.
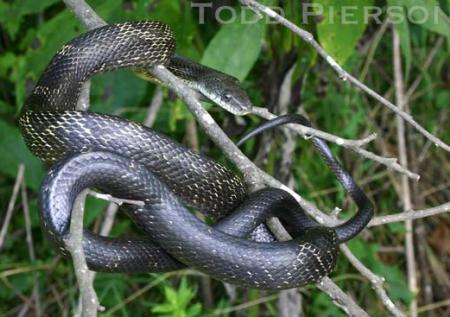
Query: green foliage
x=178, y=302
x=342, y=26
x=224, y=54
x=13, y=13
x=14, y=151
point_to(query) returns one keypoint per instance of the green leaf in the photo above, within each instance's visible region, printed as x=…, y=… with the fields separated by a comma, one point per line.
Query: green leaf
x=236, y=47
x=342, y=26
x=14, y=152
x=25, y=7
x=171, y=296
x=194, y=310
x=429, y=15
x=11, y=15
x=51, y=36
x=7, y=60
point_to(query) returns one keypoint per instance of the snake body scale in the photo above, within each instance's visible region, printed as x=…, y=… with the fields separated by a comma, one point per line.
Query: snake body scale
x=131, y=161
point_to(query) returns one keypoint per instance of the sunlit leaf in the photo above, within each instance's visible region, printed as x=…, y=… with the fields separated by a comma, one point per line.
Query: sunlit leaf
x=343, y=23
x=235, y=48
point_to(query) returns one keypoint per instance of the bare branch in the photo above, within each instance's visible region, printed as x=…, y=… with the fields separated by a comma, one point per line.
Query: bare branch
x=375, y=280
x=405, y=186
x=308, y=132
x=85, y=13
x=341, y=299
x=354, y=145
x=118, y=201
x=154, y=107
x=31, y=253
x=410, y=215
x=12, y=202
x=344, y=75
x=74, y=244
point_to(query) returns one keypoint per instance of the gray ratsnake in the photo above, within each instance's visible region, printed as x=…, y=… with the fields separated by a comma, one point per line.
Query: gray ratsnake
x=131, y=161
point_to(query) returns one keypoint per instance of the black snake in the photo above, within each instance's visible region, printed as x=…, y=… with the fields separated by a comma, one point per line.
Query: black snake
x=131, y=161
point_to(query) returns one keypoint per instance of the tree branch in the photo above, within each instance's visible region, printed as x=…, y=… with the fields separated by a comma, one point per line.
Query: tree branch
x=74, y=244
x=12, y=202
x=375, y=280
x=85, y=14
x=410, y=215
x=405, y=186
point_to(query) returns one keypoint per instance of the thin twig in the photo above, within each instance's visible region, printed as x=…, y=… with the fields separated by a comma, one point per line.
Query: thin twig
x=375, y=280
x=154, y=107
x=85, y=14
x=354, y=145
x=31, y=253
x=410, y=215
x=11, y=204
x=118, y=201
x=74, y=244
x=340, y=298
x=433, y=306
x=308, y=132
x=405, y=186
x=344, y=75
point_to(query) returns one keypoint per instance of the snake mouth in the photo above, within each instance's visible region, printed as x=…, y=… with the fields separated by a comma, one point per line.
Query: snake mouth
x=240, y=112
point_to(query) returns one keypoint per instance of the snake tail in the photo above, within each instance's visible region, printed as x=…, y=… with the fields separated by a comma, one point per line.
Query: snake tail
x=359, y=221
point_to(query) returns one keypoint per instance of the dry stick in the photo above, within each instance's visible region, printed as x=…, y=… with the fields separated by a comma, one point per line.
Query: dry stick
x=405, y=187
x=12, y=202
x=410, y=215
x=85, y=13
x=340, y=298
x=253, y=174
x=344, y=75
x=118, y=201
x=154, y=107
x=31, y=253
x=354, y=145
x=433, y=306
x=74, y=244
x=375, y=280
x=308, y=132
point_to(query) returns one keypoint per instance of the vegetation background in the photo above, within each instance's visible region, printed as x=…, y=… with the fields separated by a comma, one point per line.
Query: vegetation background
x=260, y=55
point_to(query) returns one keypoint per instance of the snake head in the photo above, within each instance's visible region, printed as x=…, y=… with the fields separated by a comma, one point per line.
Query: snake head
x=225, y=91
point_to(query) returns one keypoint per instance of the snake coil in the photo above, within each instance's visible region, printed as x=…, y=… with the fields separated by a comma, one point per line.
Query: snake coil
x=131, y=161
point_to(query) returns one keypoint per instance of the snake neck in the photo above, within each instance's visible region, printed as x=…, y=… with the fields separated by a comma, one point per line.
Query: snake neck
x=127, y=45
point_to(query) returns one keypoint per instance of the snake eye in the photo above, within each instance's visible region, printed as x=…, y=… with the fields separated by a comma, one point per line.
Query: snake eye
x=227, y=97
